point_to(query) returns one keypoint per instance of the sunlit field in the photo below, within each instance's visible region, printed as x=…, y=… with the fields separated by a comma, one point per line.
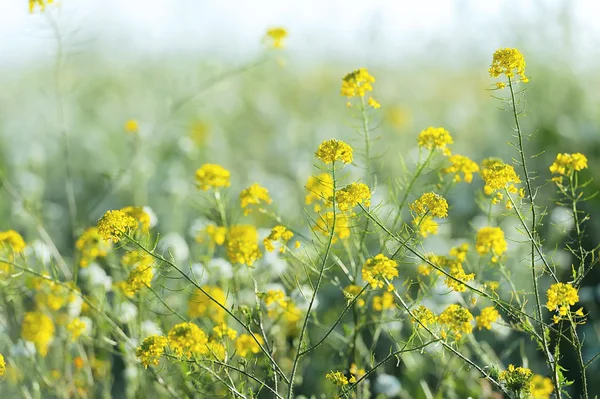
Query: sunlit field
x=188, y=227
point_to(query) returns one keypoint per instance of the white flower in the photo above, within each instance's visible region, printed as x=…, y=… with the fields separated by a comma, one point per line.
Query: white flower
x=74, y=307
x=302, y=296
x=387, y=385
x=175, y=244
x=126, y=312
x=22, y=348
x=153, y=217
x=96, y=276
x=222, y=267
x=149, y=328
x=199, y=273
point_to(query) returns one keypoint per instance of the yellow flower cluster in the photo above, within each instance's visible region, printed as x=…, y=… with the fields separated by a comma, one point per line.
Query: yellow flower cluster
x=505, y=61
x=242, y=244
x=517, y=379
x=383, y=302
x=424, y=317
x=278, y=233
x=565, y=164
x=540, y=387
x=352, y=291
x=357, y=83
x=216, y=350
x=498, y=176
x=200, y=305
x=280, y=305
x=352, y=195
x=456, y=270
x=131, y=126
x=333, y=150
x=254, y=195
x=460, y=252
x=38, y=328
x=186, y=339
x=560, y=297
x=11, y=241
x=342, y=225
x=223, y=330
x=277, y=35
x=40, y=3
x=215, y=235
x=76, y=327
x=377, y=268
x=339, y=379
x=491, y=239
x=2, y=365
x=91, y=246
x=140, y=215
x=461, y=163
x=114, y=224
x=432, y=204
x=212, y=176
x=426, y=225
x=138, y=278
x=151, y=349
x=457, y=320
x=487, y=316
x=435, y=137
x=246, y=345
x=320, y=190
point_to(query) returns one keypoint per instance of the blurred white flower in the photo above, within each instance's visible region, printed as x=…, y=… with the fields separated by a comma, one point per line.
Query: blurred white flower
x=200, y=274
x=153, y=217
x=562, y=219
x=74, y=307
x=174, y=244
x=149, y=328
x=22, y=349
x=95, y=275
x=89, y=325
x=41, y=251
x=126, y=312
x=302, y=296
x=198, y=225
x=388, y=385
x=221, y=266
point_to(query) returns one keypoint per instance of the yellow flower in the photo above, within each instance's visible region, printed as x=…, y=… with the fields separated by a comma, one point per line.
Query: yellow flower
x=246, y=344
x=457, y=320
x=278, y=233
x=114, y=224
x=377, y=268
x=517, y=379
x=374, y=103
x=277, y=35
x=320, y=189
x=351, y=291
x=505, y=61
x=212, y=176
x=460, y=252
x=216, y=351
x=11, y=241
x=139, y=278
x=487, y=316
x=565, y=164
x=383, y=302
x=491, y=239
x=426, y=225
x=560, y=296
x=352, y=195
x=40, y=3
x=275, y=296
x=540, y=387
x=254, y=195
x=498, y=176
x=186, y=339
x=424, y=317
x=201, y=305
x=223, y=330
x=432, y=204
x=242, y=244
x=333, y=150
x=457, y=271
x=337, y=377
x=463, y=164
x=76, y=327
x=151, y=349
x=140, y=215
x=92, y=246
x=357, y=83
x=342, y=225
x=38, y=328
x=2, y=365
x=435, y=137
x=216, y=235
x=131, y=126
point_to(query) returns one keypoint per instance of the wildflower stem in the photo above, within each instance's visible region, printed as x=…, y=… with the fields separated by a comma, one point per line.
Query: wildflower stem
x=366, y=132
x=577, y=222
x=315, y=290
x=579, y=350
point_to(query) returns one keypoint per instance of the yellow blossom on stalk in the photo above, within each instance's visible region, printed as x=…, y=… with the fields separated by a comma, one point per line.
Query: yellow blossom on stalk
x=383, y=302
x=516, y=379
x=565, y=164
x=291, y=312
x=212, y=176
x=491, y=239
x=352, y=195
x=114, y=224
x=186, y=339
x=498, y=176
x=131, y=126
x=11, y=241
x=151, y=350
x=278, y=233
x=245, y=344
x=374, y=103
x=242, y=244
x=275, y=296
x=277, y=34
x=427, y=226
x=254, y=195
x=505, y=61
x=560, y=297
x=38, y=328
x=333, y=150
x=139, y=214
x=222, y=330
x=76, y=327
x=435, y=137
x=216, y=235
x=51, y=296
x=377, y=268
x=432, y=204
x=337, y=377
x=200, y=305
x=461, y=163
x=216, y=350
x=487, y=316
x=139, y=278
x=320, y=189
x=540, y=387
x=39, y=3
x=342, y=225
x=357, y=83
x=355, y=371
x=424, y=317
x=460, y=252
x=91, y=246
x=2, y=365
x=352, y=291
x=457, y=271
x=457, y=320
